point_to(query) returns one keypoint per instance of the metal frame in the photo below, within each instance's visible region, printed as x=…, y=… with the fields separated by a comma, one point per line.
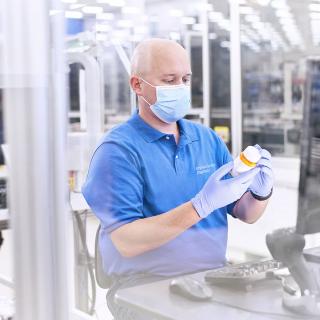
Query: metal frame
x=187, y=43
x=205, y=65
x=35, y=131
x=94, y=118
x=235, y=78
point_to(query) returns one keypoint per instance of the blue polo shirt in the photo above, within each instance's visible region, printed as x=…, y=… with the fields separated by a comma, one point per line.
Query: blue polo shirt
x=138, y=172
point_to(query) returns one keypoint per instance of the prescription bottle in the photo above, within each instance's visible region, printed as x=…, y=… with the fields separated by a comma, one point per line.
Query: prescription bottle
x=246, y=160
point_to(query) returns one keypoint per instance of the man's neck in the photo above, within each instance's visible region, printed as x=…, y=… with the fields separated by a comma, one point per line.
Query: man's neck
x=154, y=122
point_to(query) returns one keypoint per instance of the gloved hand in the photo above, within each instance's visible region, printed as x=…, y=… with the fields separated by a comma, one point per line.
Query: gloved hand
x=262, y=184
x=217, y=193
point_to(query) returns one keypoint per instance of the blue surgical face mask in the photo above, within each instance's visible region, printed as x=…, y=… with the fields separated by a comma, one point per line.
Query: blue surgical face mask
x=173, y=102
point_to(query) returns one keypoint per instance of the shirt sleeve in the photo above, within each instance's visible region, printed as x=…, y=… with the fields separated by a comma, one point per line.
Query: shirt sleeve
x=225, y=158
x=114, y=186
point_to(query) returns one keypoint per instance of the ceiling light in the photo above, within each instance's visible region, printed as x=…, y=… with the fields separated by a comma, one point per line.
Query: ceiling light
x=246, y=10
x=118, y=34
x=225, y=44
x=130, y=10
x=204, y=7
x=76, y=6
x=92, y=9
x=140, y=30
x=125, y=23
x=54, y=12
x=69, y=1
x=314, y=7
x=154, y=19
x=103, y=27
x=315, y=15
x=101, y=37
x=224, y=24
x=286, y=21
x=197, y=27
x=117, y=3
x=263, y=2
x=188, y=20
x=283, y=13
x=73, y=14
x=175, y=36
x=252, y=18
x=258, y=25
x=279, y=4
x=105, y=16
x=176, y=13
x=215, y=16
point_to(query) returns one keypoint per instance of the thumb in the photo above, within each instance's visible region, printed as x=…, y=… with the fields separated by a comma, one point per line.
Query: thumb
x=257, y=147
x=222, y=171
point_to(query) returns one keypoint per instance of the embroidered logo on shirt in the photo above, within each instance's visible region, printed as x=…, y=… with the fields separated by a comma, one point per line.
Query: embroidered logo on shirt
x=205, y=168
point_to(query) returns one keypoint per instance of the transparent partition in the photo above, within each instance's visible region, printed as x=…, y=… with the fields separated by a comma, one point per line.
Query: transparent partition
x=219, y=53
x=276, y=38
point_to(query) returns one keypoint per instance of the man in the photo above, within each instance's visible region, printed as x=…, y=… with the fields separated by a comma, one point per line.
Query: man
x=160, y=185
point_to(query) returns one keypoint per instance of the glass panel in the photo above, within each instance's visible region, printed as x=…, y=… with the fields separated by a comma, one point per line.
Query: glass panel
x=275, y=37
x=309, y=191
x=219, y=46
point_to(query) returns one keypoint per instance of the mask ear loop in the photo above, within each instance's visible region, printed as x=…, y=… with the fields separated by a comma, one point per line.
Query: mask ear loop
x=146, y=101
x=147, y=83
x=149, y=104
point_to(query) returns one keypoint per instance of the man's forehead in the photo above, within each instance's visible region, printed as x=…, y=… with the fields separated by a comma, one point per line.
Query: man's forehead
x=187, y=73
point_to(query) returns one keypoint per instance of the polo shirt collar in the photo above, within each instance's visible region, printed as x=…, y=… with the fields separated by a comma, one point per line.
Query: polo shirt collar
x=186, y=130
x=151, y=134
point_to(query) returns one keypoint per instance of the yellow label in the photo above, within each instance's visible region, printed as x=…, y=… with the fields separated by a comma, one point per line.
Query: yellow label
x=246, y=161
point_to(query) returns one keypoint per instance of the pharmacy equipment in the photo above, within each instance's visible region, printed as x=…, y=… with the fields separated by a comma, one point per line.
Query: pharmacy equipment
x=246, y=160
x=286, y=245
x=242, y=275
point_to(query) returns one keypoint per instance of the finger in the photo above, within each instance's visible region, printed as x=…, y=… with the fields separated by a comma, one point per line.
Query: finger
x=265, y=163
x=267, y=171
x=222, y=171
x=247, y=176
x=257, y=147
x=265, y=154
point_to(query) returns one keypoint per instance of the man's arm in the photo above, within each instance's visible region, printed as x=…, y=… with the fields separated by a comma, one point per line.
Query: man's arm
x=248, y=209
x=145, y=234
x=142, y=235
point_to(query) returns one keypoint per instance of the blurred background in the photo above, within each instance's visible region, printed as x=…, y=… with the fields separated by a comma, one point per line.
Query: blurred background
x=250, y=70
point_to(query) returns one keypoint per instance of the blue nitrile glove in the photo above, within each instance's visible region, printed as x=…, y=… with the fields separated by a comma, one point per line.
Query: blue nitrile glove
x=262, y=184
x=217, y=193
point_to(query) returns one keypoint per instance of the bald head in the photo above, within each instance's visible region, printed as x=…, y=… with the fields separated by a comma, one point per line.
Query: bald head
x=157, y=62
x=158, y=56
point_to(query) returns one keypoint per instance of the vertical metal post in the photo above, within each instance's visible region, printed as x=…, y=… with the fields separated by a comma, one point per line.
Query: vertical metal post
x=35, y=123
x=93, y=106
x=205, y=65
x=235, y=78
x=80, y=268
x=287, y=73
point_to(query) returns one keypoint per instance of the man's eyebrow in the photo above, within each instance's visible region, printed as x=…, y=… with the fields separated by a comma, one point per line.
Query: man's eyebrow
x=174, y=74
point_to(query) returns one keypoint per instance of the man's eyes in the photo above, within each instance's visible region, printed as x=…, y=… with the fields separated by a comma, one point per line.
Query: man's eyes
x=170, y=81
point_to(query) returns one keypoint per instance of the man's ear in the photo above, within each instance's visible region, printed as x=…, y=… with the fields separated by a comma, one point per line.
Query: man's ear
x=135, y=84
